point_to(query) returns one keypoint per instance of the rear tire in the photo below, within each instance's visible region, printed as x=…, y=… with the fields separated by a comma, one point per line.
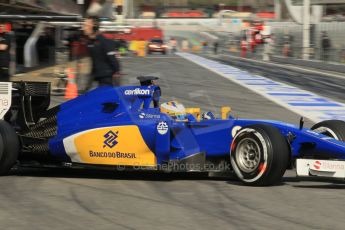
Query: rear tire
x=259, y=155
x=331, y=128
x=10, y=147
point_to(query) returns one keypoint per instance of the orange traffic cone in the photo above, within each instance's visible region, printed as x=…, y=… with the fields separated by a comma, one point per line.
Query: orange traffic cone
x=71, y=88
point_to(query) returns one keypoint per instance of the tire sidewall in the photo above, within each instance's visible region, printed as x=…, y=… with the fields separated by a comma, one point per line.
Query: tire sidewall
x=265, y=147
x=323, y=129
x=1, y=147
x=334, y=127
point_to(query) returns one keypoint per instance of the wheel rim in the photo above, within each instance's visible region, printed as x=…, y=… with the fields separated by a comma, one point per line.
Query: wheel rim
x=248, y=155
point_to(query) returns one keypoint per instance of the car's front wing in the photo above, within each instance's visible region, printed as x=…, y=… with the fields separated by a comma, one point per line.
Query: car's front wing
x=321, y=168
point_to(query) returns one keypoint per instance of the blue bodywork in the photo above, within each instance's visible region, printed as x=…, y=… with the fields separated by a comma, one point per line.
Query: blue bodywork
x=132, y=105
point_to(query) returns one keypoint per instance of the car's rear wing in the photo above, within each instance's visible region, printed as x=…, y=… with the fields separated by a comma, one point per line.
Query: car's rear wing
x=5, y=98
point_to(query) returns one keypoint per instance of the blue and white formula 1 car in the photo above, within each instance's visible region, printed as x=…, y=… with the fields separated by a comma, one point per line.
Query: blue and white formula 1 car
x=124, y=127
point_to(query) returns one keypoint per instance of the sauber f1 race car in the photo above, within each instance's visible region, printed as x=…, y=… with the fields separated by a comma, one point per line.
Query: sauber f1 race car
x=112, y=127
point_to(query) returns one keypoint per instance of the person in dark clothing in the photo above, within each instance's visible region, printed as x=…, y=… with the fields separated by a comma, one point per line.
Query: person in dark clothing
x=5, y=46
x=105, y=66
x=215, y=47
x=325, y=46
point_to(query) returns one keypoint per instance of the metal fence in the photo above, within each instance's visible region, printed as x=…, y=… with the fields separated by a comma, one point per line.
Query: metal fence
x=295, y=52
x=294, y=49
x=334, y=30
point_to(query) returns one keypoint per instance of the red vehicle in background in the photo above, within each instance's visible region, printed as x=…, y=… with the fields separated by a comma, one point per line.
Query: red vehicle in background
x=157, y=45
x=134, y=34
x=131, y=35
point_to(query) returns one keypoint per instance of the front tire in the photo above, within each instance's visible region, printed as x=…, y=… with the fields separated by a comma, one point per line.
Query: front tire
x=331, y=128
x=10, y=147
x=259, y=155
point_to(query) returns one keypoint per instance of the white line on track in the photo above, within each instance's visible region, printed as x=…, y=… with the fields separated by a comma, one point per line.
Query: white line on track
x=302, y=102
x=289, y=66
x=150, y=57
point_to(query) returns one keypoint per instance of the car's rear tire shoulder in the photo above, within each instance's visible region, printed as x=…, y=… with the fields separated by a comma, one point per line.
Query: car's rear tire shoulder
x=10, y=147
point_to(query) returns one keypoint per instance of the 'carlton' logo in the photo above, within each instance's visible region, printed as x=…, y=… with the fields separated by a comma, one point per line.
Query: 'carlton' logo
x=110, y=140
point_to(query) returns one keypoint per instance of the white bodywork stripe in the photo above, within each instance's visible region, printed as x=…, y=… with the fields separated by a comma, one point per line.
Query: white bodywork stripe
x=70, y=147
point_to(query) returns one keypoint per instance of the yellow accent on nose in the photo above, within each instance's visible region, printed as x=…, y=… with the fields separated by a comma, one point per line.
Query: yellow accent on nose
x=195, y=112
x=225, y=110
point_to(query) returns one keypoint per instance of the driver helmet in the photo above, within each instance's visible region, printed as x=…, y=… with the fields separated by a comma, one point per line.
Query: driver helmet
x=174, y=109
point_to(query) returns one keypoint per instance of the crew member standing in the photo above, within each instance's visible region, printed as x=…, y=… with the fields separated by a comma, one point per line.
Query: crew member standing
x=105, y=66
x=325, y=46
x=215, y=47
x=243, y=47
x=173, y=45
x=5, y=46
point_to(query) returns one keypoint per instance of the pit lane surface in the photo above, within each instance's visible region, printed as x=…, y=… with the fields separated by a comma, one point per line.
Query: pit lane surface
x=317, y=81
x=75, y=199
